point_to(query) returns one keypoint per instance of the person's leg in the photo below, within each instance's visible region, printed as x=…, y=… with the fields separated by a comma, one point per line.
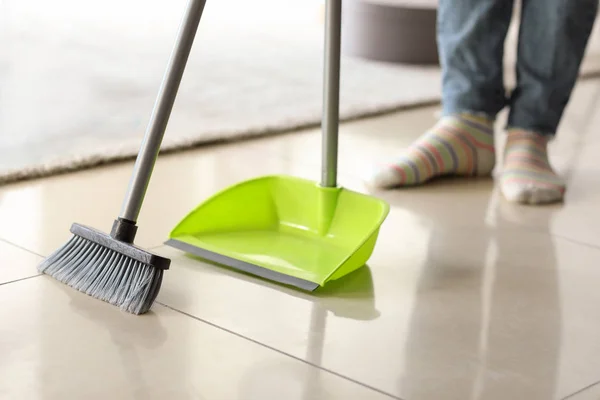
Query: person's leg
x=471, y=35
x=552, y=41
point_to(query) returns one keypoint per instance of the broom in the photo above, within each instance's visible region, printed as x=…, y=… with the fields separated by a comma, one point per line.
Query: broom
x=110, y=267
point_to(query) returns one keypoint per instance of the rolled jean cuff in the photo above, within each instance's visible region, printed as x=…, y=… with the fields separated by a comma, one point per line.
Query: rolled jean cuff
x=518, y=119
x=452, y=110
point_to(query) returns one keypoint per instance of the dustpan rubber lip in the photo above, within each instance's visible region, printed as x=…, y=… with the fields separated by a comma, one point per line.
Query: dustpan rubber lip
x=243, y=266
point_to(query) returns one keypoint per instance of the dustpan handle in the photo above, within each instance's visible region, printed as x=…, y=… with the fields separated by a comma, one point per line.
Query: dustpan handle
x=167, y=93
x=331, y=92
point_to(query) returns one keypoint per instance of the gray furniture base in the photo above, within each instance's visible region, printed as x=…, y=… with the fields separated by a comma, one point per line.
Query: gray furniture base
x=391, y=31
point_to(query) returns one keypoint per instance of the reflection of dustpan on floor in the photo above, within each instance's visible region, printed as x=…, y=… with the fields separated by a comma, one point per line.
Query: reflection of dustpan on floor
x=286, y=229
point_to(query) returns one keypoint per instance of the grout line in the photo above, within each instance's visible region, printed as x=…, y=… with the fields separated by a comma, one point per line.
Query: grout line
x=535, y=229
x=21, y=247
x=575, y=241
x=20, y=279
x=281, y=352
x=572, y=395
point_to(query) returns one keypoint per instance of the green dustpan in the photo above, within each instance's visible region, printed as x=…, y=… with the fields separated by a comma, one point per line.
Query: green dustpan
x=286, y=229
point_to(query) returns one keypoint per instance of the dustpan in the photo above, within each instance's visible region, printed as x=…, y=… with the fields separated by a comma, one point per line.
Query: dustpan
x=286, y=229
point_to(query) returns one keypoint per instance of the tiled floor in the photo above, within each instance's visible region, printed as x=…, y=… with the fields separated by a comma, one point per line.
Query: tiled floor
x=466, y=296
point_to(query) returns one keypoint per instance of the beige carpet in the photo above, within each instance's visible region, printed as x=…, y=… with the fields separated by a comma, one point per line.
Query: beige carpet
x=78, y=79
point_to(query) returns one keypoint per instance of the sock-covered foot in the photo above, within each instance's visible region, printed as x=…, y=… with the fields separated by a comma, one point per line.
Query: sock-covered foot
x=527, y=176
x=456, y=145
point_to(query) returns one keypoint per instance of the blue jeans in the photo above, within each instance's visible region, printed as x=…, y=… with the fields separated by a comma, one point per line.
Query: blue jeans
x=552, y=40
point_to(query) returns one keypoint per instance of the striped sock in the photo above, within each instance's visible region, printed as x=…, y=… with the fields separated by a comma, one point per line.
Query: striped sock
x=456, y=145
x=527, y=176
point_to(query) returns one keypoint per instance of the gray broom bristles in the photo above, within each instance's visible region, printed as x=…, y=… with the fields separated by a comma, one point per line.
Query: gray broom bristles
x=104, y=274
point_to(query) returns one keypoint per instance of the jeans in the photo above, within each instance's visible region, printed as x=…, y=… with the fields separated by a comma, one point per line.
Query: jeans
x=553, y=36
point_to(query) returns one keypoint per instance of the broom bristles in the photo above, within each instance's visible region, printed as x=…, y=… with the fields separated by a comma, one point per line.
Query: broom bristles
x=105, y=274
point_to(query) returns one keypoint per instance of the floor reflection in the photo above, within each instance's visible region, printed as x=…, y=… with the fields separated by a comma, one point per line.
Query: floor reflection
x=476, y=331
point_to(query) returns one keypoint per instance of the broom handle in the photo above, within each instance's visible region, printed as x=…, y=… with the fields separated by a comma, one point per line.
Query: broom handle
x=163, y=105
x=331, y=92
